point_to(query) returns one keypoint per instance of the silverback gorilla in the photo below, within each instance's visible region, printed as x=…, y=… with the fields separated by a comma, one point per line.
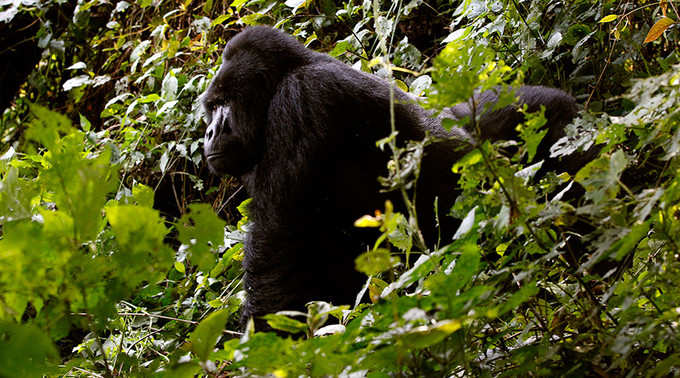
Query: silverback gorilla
x=299, y=129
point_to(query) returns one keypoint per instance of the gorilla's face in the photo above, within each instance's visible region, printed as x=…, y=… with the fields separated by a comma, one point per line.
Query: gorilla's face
x=238, y=99
x=235, y=116
x=225, y=150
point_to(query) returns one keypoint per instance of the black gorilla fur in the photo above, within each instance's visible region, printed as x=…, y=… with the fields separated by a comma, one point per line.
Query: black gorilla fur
x=299, y=130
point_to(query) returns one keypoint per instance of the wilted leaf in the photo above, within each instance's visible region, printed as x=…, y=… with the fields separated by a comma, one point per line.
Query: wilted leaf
x=658, y=28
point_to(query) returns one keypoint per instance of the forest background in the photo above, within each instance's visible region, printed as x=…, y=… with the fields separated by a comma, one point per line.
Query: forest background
x=115, y=259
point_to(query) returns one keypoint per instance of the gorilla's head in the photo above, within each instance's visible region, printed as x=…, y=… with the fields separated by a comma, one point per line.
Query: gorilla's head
x=237, y=101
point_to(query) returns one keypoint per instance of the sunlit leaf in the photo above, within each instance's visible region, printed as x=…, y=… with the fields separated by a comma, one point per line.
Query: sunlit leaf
x=608, y=18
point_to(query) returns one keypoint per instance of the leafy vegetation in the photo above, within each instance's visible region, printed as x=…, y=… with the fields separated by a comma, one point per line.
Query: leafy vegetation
x=114, y=261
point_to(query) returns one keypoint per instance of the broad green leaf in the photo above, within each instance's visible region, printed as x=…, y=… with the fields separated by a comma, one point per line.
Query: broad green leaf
x=25, y=351
x=206, y=334
x=285, y=323
x=220, y=19
x=340, y=48
x=180, y=267
x=15, y=196
x=203, y=232
x=471, y=158
x=82, y=185
x=624, y=246
x=374, y=262
x=79, y=183
x=183, y=370
x=422, y=267
x=531, y=133
x=601, y=176
x=139, y=233
x=142, y=195
x=522, y=295
x=47, y=127
x=464, y=268
x=238, y=4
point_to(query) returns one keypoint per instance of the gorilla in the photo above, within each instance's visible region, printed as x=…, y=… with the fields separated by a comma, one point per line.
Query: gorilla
x=299, y=130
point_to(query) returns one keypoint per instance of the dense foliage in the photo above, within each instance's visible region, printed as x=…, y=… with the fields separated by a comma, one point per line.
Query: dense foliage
x=114, y=262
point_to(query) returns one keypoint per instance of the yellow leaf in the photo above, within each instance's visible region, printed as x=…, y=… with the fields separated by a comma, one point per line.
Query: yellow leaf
x=401, y=85
x=180, y=267
x=608, y=18
x=658, y=29
x=367, y=221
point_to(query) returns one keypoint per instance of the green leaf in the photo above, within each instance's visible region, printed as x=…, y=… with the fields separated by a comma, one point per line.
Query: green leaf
x=531, y=133
x=340, y=48
x=25, y=351
x=180, y=267
x=600, y=177
x=471, y=158
x=142, y=195
x=425, y=336
x=522, y=295
x=624, y=246
x=80, y=184
x=206, y=334
x=243, y=207
x=15, y=196
x=220, y=19
x=464, y=268
x=139, y=232
x=374, y=262
x=47, y=127
x=422, y=267
x=203, y=232
x=285, y=323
